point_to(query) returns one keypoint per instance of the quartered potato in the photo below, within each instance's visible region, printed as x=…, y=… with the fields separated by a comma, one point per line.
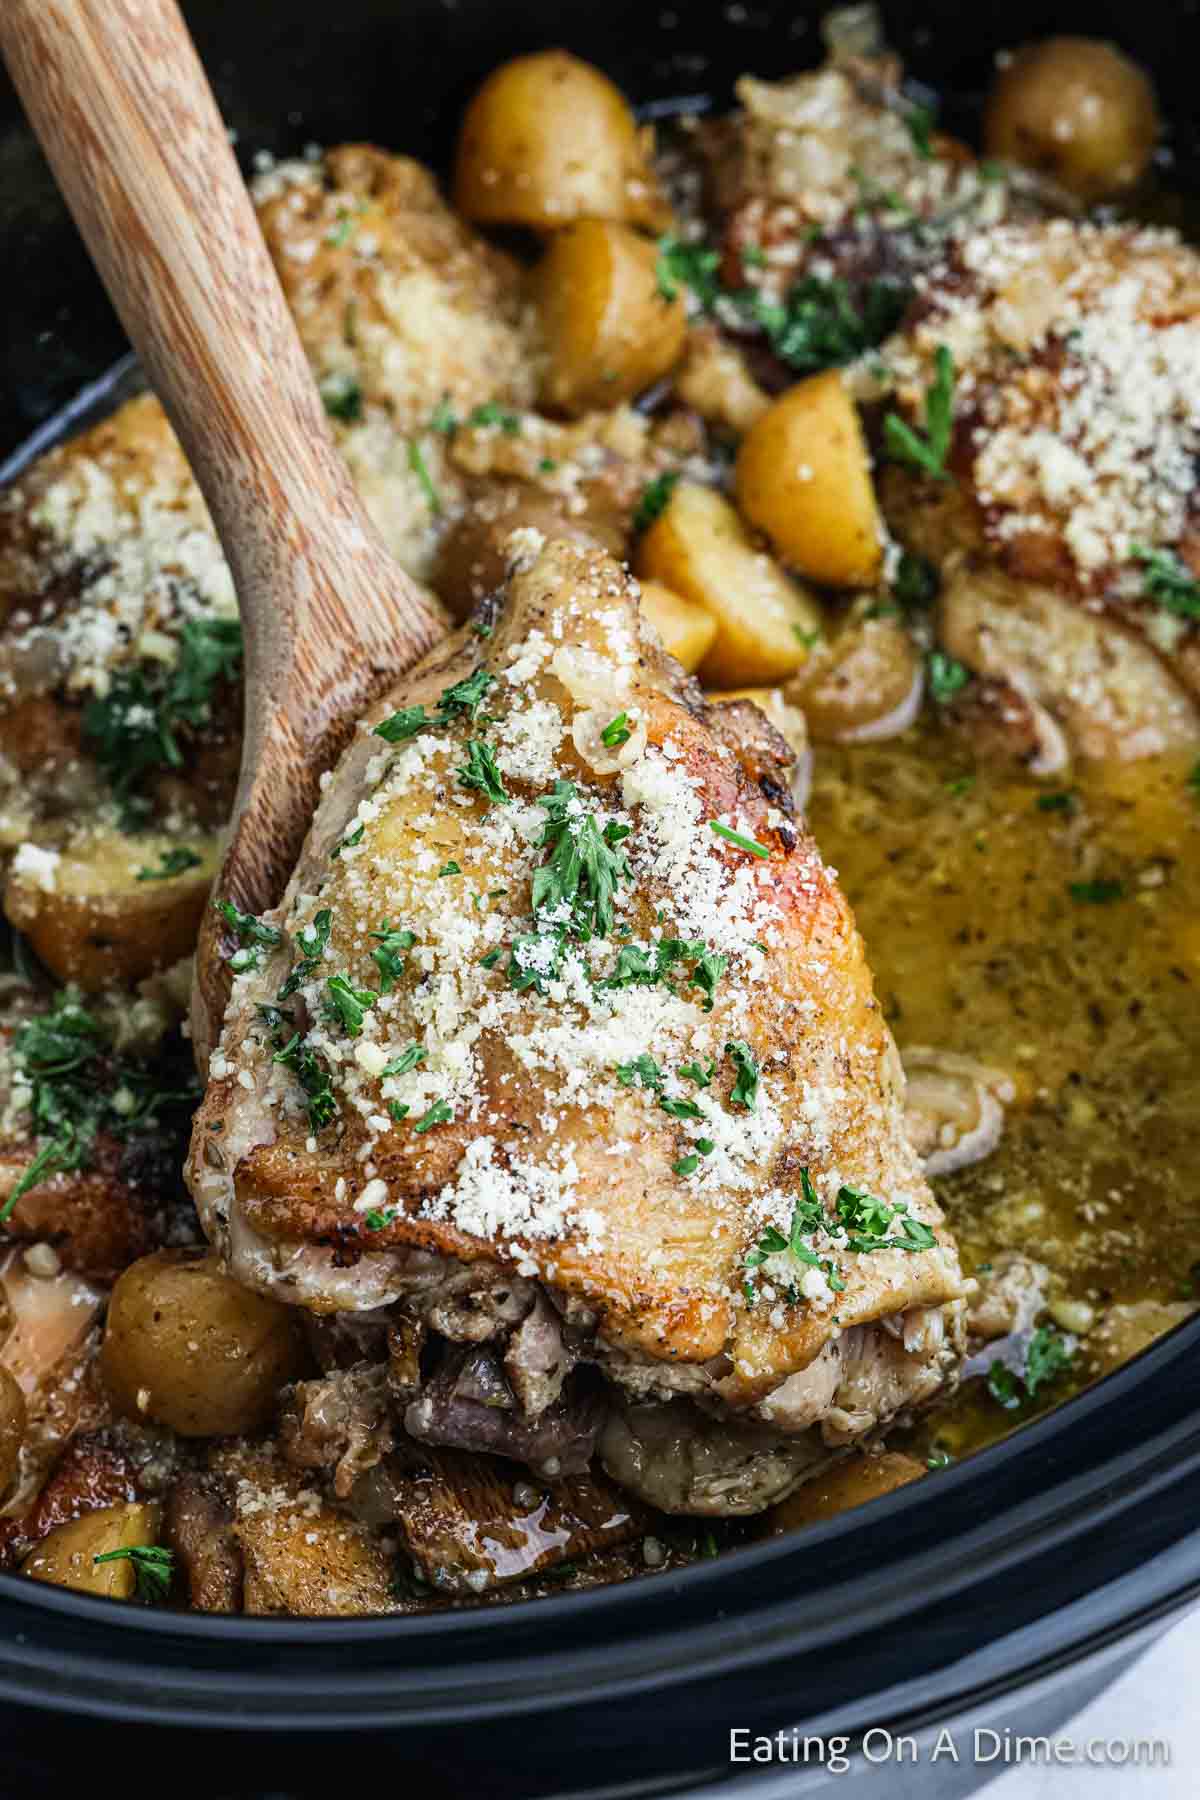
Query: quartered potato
x=67, y=1557
x=188, y=1347
x=699, y=548
x=109, y=909
x=687, y=630
x=473, y=559
x=548, y=139
x=863, y=684
x=609, y=330
x=803, y=477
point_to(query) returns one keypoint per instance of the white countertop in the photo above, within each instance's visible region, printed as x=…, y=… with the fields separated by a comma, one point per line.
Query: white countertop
x=1156, y=1698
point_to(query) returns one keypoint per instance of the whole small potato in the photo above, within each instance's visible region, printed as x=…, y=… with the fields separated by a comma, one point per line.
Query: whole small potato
x=1078, y=110
x=803, y=476
x=864, y=685
x=548, y=139
x=12, y=1428
x=187, y=1346
x=687, y=631
x=609, y=331
x=67, y=1555
x=698, y=548
x=471, y=561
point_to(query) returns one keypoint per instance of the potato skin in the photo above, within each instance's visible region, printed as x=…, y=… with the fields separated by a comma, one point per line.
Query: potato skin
x=609, y=332
x=687, y=631
x=13, y=1420
x=548, y=139
x=98, y=925
x=190, y=1348
x=471, y=560
x=1078, y=110
x=67, y=1556
x=803, y=476
x=698, y=548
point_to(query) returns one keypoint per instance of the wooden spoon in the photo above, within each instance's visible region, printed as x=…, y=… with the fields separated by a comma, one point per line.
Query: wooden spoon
x=117, y=96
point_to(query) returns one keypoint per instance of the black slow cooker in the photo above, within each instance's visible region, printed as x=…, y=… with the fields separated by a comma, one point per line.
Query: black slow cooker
x=1001, y=1593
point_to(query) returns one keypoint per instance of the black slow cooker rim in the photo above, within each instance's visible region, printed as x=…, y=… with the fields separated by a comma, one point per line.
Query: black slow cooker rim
x=1076, y=1528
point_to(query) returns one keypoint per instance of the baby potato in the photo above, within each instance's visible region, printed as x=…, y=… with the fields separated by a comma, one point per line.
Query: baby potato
x=91, y=919
x=548, y=139
x=188, y=1347
x=609, y=332
x=864, y=685
x=786, y=717
x=698, y=548
x=687, y=631
x=13, y=1421
x=803, y=477
x=1077, y=109
x=67, y=1555
x=472, y=562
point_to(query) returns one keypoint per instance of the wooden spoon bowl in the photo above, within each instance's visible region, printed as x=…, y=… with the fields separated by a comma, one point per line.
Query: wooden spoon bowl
x=119, y=100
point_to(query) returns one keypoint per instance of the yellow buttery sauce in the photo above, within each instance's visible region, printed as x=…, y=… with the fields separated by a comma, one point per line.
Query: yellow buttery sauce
x=962, y=888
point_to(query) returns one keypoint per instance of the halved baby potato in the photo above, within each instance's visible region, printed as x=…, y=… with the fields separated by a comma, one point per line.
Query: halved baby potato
x=699, y=548
x=609, y=331
x=548, y=139
x=803, y=477
x=67, y=1556
x=111, y=909
x=687, y=631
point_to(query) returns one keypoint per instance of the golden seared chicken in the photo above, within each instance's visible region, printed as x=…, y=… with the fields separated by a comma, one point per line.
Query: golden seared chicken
x=1063, y=526
x=561, y=1048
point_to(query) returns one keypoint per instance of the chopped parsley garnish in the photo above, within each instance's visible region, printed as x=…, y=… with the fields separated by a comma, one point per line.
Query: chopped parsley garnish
x=1062, y=802
x=462, y=700
x=79, y=1087
x=312, y=943
x=171, y=863
x=695, y=1071
x=643, y=1071
x=916, y=582
x=818, y=325
x=749, y=844
x=398, y=1112
x=636, y=967
x=407, y=1059
x=1193, y=781
x=687, y=1165
x=1096, y=893
x=379, y=1221
x=339, y=232
x=583, y=867
x=745, y=1087
x=345, y=1004
x=1169, y=581
x=134, y=728
x=705, y=1146
x=921, y=121
x=866, y=1220
x=1047, y=1356
x=349, y=841
x=153, y=1566
x=443, y=419
x=938, y=1459
x=389, y=958
x=449, y=868
x=680, y=1109
x=960, y=785
x=420, y=468
x=946, y=675
x=480, y=772
x=492, y=413
x=251, y=932
x=439, y=1114
x=654, y=500
x=342, y=397
x=616, y=732
x=491, y=959
x=309, y=1071
x=927, y=452
x=692, y=266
